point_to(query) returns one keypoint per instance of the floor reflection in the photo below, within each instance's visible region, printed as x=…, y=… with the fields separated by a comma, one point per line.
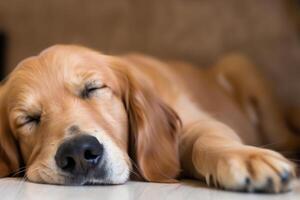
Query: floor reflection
x=14, y=189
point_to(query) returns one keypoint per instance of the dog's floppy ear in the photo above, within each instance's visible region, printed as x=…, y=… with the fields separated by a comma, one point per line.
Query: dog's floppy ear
x=9, y=155
x=153, y=128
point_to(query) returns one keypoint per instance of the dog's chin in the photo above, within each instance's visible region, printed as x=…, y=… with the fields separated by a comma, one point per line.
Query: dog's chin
x=108, y=175
x=97, y=179
x=82, y=180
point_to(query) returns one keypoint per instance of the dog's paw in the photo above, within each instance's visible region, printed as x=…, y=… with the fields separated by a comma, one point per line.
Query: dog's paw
x=253, y=169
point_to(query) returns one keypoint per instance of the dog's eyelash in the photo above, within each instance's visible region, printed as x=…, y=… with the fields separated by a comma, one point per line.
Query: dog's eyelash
x=31, y=119
x=90, y=89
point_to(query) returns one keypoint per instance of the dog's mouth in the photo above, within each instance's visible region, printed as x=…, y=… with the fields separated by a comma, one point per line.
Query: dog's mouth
x=85, y=180
x=97, y=175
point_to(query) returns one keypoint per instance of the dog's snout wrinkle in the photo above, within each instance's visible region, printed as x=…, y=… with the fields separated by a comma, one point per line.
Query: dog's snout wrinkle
x=74, y=129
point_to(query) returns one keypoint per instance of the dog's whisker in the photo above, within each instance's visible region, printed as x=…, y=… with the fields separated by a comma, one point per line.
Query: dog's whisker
x=15, y=173
x=19, y=172
x=271, y=144
x=134, y=167
x=21, y=183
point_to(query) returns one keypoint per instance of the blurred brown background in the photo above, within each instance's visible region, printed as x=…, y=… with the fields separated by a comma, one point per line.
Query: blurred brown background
x=199, y=31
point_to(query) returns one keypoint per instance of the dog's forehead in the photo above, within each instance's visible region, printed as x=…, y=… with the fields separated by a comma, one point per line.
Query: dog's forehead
x=40, y=70
x=60, y=64
x=56, y=69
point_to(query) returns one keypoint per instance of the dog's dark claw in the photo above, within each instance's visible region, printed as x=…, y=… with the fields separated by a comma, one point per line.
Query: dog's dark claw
x=285, y=177
x=247, y=181
x=269, y=185
x=269, y=182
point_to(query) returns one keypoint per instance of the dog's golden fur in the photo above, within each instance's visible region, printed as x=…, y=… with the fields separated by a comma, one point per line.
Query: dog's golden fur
x=163, y=119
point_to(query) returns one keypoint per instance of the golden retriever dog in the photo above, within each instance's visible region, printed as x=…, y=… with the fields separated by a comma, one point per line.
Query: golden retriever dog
x=71, y=115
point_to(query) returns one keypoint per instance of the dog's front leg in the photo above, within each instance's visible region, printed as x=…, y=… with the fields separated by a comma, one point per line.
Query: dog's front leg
x=212, y=151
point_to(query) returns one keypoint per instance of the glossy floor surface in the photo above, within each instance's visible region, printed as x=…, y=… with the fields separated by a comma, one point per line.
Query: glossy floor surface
x=15, y=189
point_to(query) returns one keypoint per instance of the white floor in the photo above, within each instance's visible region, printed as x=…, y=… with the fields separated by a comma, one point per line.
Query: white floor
x=15, y=189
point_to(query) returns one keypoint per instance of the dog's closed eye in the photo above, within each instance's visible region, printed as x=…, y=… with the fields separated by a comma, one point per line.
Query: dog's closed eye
x=33, y=119
x=90, y=88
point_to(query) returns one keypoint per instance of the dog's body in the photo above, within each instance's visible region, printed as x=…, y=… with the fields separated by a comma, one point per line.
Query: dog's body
x=171, y=117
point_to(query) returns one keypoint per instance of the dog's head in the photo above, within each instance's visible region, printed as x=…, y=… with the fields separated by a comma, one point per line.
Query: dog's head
x=74, y=116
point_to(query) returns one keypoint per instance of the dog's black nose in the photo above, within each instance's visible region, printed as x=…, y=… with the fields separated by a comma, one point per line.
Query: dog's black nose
x=79, y=154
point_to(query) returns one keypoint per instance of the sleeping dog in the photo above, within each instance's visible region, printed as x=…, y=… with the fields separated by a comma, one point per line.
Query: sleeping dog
x=71, y=115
